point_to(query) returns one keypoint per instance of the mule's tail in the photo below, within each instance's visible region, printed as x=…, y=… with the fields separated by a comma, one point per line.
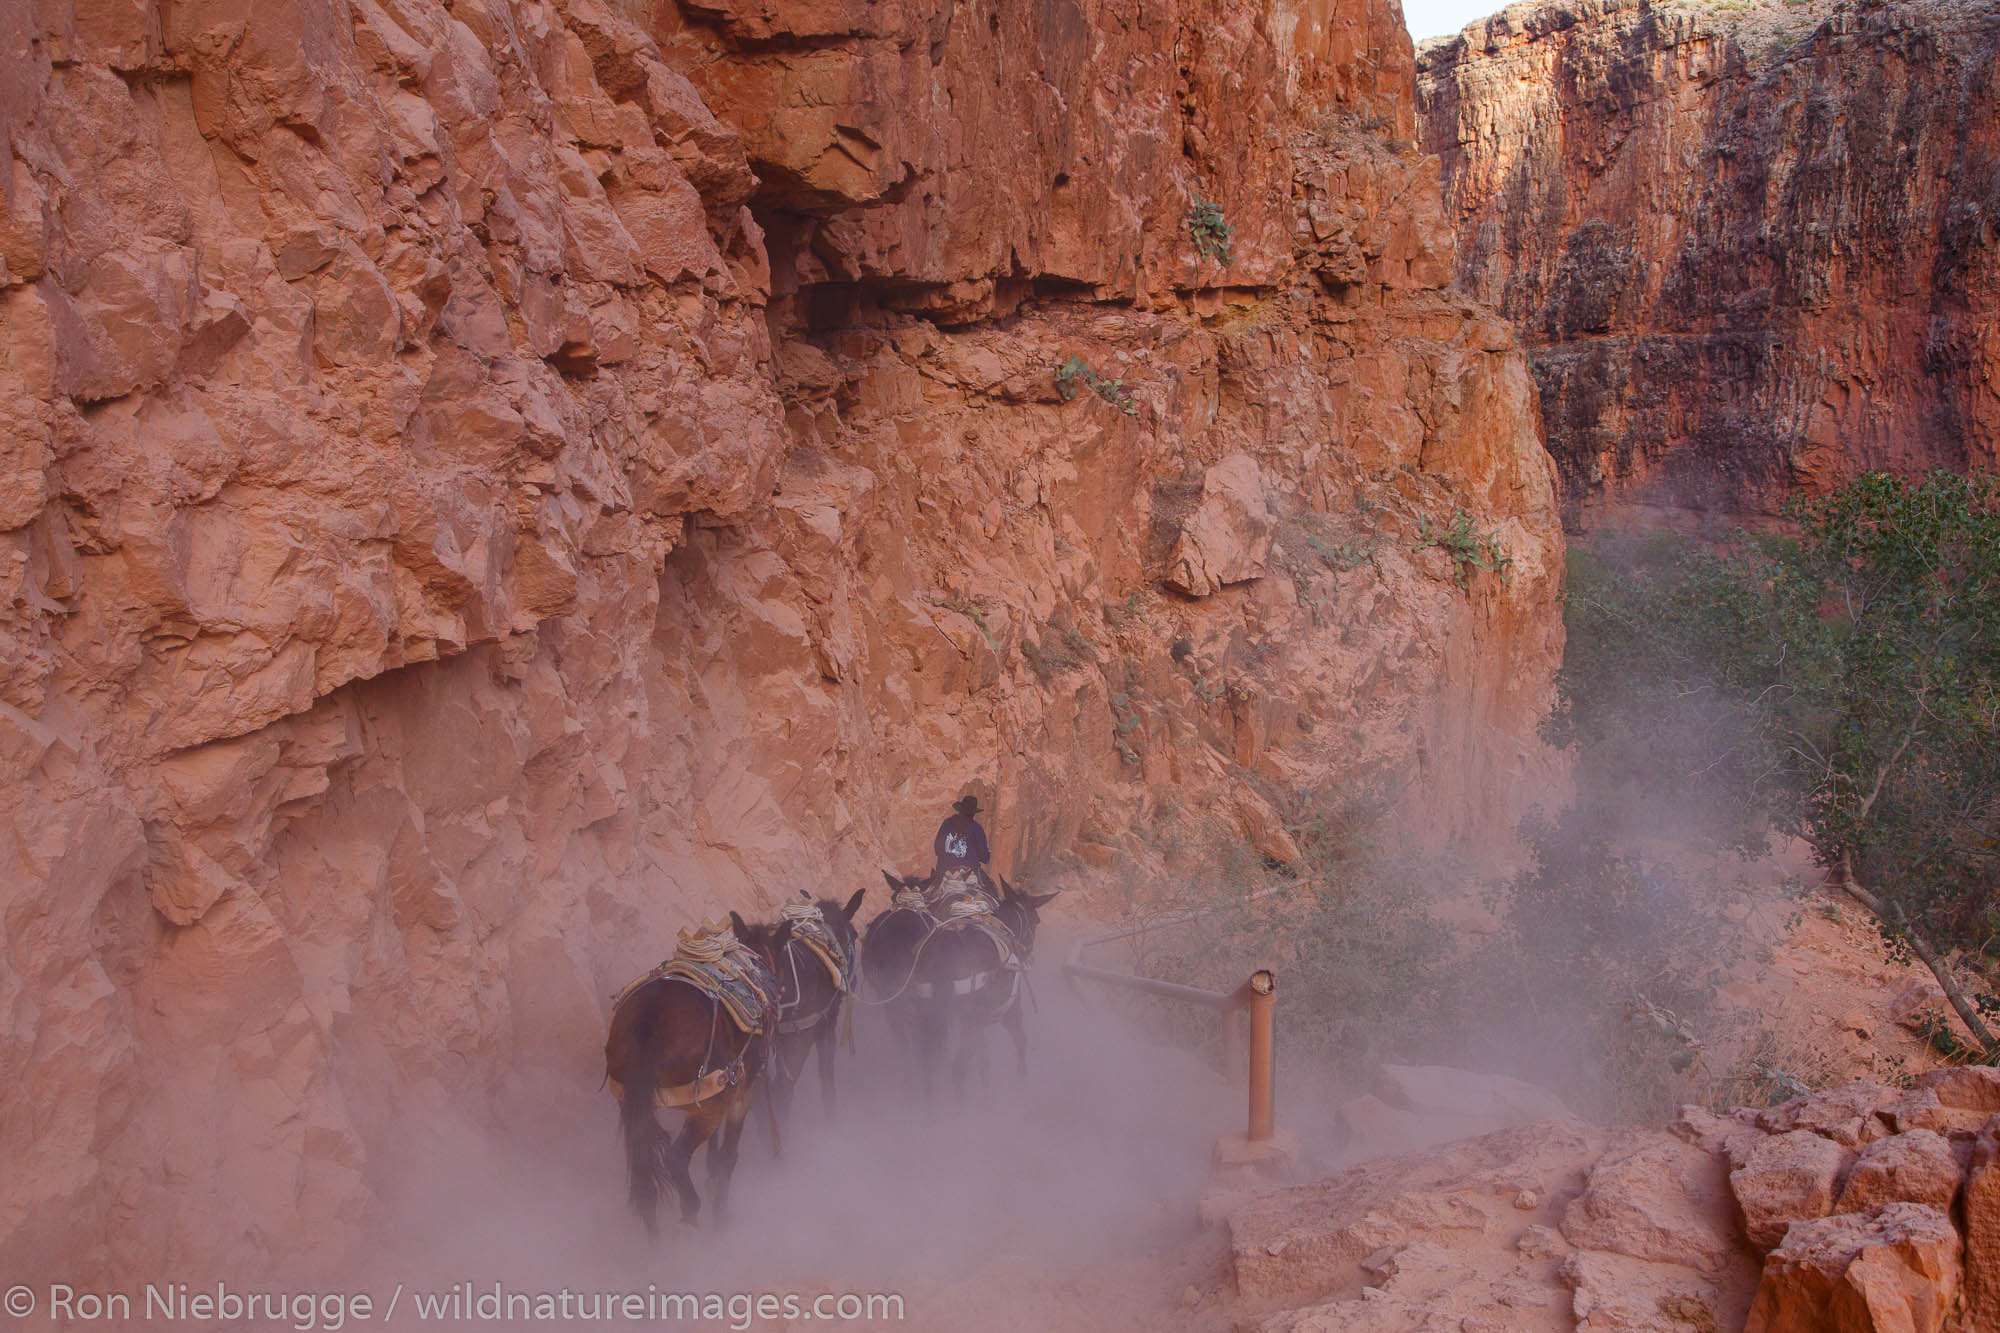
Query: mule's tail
x=634, y=1054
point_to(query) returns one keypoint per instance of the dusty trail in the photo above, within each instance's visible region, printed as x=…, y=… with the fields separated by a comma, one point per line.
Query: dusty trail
x=1091, y=1166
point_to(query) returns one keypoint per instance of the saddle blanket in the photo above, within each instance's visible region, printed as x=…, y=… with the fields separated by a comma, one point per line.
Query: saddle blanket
x=832, y=952
x=736, y=979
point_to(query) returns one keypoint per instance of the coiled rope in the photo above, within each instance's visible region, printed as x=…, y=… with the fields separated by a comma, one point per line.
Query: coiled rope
x=708, y=946
x=802, y=908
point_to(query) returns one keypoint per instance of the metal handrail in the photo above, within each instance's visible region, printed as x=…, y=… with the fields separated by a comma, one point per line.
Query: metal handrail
x=1258, y=995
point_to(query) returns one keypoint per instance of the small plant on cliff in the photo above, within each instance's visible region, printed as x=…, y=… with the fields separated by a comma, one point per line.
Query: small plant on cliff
x=1468, y=547
x=1342, y=556
x=1077, y=371
x=959, y=604
x=1061, y=648
x=1125, y=724
x=1211, y=234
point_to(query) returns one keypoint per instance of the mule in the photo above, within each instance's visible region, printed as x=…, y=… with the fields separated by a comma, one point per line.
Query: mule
x=940, y=982
x=671, y=1036
x=889, y=952
x=810, y=1006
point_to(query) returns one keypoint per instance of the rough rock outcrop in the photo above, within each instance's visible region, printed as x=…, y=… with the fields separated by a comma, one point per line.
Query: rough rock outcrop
x=1786, y=1178
x=1865, y=1239
x=1917, y=1167
x=1227, y=539
x=1754, y=246
x=483, y=484
x=1894, y=1267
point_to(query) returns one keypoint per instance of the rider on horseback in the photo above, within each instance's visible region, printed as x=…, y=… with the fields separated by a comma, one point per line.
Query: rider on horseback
x=960, y=847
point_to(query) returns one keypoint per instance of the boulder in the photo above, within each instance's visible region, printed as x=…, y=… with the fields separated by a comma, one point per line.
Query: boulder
x=1845, y=1114
x=1655, y=1198
x=1967, y=1088
x=1919, y=1108
x=1916, y=1167
x=1721, y=1135
x=1613, y=1293
x=1893, y=1269
x=1786, y=1178
x=1228, y=537
x=1440, y=1089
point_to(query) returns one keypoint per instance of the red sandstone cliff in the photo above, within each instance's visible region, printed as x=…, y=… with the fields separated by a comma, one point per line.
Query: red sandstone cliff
x=483, y=484
x=1754, y=246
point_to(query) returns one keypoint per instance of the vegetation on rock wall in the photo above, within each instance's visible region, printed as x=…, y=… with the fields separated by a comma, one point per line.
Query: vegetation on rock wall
x=1840, y=685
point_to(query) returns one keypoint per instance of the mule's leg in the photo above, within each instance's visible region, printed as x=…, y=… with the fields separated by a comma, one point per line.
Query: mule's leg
x=722, y=1153
x=784, y=1081
x=646, y=1148
x=1011, y=1020
x=828, y=1046
x=679, y=1156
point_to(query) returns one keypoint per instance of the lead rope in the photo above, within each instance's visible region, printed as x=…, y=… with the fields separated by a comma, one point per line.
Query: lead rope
x=916, y=956
x=798, y=997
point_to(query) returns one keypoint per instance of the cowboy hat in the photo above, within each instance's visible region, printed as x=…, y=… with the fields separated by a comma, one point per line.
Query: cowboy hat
x=966, y=805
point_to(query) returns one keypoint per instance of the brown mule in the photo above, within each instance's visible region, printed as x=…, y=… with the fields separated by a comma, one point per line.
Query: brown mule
x=810, y=1006
x=672, y=1045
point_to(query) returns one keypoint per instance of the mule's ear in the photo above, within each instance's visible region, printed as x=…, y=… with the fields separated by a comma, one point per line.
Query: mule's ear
x=854, y=904
x=737, y=924
x=895, y=885
x=781, y=937
x=1038, y=900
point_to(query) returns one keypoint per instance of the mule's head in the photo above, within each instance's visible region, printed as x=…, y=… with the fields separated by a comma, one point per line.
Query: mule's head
x=839, y=917
x=917, y=884
x=764, y=940
x=1021, y=913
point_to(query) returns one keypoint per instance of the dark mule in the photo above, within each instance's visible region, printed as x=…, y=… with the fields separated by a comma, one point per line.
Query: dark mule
x=888, y=959
x=670, y=1036
x=810, y=1006
x=953, y=978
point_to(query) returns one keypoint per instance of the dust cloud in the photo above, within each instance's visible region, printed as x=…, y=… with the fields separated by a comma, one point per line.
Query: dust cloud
x=1099, y=1155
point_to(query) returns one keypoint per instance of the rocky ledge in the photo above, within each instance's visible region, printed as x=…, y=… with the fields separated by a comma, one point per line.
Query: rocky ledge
x=1862, y=1208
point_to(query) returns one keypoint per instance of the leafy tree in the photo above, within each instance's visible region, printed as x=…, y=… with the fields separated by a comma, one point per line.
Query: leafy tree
x=1841, y=684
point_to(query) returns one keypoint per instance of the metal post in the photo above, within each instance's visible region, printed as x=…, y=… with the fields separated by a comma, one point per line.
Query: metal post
x=1263, y=1003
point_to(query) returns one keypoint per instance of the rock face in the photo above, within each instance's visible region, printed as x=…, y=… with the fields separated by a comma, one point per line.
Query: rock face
x=483, y=484
x=1754, y=246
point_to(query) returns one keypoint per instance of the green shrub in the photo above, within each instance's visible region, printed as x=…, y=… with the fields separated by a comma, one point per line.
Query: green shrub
x=1468, y=547
x=1077, y=371
x=1211, y=234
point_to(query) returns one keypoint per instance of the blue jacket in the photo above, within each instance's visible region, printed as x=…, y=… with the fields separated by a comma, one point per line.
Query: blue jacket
x=960, y=842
